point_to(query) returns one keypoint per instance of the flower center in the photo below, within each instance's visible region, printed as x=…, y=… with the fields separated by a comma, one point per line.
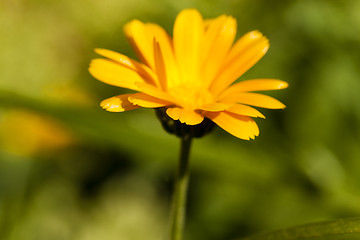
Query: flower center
x=191, y=97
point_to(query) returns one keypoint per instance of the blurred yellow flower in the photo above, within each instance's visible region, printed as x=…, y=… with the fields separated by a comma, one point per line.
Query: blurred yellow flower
x=192, y=73
x=27, y=133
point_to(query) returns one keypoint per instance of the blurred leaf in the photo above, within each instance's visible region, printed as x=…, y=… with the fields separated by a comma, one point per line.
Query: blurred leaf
x=343, y=229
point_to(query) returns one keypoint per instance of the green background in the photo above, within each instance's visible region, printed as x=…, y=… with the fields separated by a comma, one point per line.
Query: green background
x=110, y=174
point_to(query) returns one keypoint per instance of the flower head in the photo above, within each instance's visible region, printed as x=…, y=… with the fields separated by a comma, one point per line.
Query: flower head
x=192, y=73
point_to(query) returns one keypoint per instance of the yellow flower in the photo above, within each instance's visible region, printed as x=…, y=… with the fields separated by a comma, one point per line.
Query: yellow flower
x=192, y=73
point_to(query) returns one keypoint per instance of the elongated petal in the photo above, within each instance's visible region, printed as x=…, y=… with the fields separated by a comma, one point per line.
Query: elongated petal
x=187, y=116
x=188, y=36
x=254, y=85
x=140, y=68
x=246, y=52
x=160, y=66
x=219, y=36
x=256, y=99
x=167, y=52
x=155, y=92
x=242, y=44
x=240, y=126
x=141, y=40
x=244, y=110
x=147, y=101
x=118, y=103
x=114, y=74
x=214, y=107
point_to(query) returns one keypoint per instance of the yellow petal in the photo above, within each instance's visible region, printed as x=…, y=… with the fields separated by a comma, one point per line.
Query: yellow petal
x=118, y=103
x=114, y=74
x=219, y=36
x=188, y=36
x=141, y=40
x=242, y=44
x=155, y=92
x=140, y=68
x=254, y=85
x=214, y=107
x=240, y=126
x=207, y=23
x=256, y=99
x=147, y=101
x=244, y=54
x=160, y=66
x=244, y=110
x=188, y=116
x=167, y=52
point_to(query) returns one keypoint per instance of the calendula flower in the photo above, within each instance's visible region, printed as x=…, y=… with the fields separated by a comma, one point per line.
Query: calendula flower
x=192, y=73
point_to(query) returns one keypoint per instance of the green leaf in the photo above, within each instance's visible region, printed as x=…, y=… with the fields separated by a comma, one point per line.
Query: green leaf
x=343, y=229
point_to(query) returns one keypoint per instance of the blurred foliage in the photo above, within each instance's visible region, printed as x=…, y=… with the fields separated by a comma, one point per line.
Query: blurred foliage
x=70, y=170
x=342, y=229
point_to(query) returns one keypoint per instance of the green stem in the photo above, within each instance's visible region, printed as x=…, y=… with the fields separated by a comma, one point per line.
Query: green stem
x=180, y=191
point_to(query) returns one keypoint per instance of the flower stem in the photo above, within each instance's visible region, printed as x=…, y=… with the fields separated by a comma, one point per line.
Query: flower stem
x=180, y=192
